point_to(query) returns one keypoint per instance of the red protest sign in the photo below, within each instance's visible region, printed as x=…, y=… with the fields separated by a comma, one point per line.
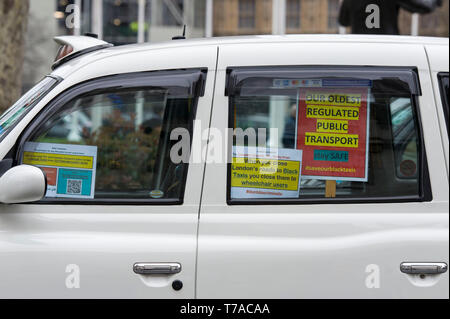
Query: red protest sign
x=332, y=131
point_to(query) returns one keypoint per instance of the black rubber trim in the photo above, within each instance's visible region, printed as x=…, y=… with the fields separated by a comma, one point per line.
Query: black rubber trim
x=115, y=202
x=444, y=98
x=79, y=53
x=322, y=201
x=5, y=165
x=46, y=182
x=236, y=75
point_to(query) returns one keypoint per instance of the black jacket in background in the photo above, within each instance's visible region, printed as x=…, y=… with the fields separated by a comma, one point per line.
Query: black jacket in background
x=353, y=13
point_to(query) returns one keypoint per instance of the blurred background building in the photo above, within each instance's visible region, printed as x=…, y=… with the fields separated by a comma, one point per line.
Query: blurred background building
x=123, y=22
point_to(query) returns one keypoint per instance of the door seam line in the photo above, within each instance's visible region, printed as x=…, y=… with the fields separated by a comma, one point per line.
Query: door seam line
x=204, y=173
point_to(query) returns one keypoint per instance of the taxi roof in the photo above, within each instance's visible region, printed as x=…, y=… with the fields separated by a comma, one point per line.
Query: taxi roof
x=289, y=38
x=67, y=68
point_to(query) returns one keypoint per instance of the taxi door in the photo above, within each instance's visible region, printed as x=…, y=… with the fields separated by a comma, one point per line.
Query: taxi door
x=379, y=233
x=120, y=216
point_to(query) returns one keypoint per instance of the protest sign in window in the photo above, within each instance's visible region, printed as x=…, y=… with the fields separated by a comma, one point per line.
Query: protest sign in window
x=357, y=130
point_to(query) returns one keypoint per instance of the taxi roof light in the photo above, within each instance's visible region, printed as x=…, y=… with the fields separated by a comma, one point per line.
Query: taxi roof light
x=75, y=46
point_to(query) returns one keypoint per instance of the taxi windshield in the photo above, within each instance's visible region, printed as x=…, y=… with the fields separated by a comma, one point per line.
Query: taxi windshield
x=16, y=112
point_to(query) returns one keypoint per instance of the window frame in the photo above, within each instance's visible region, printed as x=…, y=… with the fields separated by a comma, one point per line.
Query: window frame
x=123, y=81
x=369, y=72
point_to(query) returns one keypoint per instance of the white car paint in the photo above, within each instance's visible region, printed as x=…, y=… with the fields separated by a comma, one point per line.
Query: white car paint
x=288, y=251
x=37, y=242
x=322, y=251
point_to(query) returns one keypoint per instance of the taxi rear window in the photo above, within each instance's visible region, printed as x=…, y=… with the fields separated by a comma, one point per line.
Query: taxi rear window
x=325, y=134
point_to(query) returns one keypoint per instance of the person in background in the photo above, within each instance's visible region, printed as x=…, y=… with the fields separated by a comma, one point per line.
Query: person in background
x=353, y=14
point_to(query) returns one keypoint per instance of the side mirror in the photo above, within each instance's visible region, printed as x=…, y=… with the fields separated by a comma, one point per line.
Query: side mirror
x=21, y=184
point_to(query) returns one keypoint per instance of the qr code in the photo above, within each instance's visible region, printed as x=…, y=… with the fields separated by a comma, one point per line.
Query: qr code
x=74, y=186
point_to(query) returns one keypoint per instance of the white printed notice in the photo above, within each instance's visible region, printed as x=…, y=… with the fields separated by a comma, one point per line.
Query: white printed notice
x=265, y=173
x=70, y=169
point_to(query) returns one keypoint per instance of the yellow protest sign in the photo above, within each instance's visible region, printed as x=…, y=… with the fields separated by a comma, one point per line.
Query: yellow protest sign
x=34, y=158
x=332, y=98
x=259, y=174
x=271, y=174
x=333, y=140
x=331, y=112
x=332, y=126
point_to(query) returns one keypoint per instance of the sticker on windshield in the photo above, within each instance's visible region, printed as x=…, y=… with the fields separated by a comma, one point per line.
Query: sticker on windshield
x=70, y=169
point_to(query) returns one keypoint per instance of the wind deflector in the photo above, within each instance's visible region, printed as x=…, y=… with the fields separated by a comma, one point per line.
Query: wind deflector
x=175, y=83
x=258, y=81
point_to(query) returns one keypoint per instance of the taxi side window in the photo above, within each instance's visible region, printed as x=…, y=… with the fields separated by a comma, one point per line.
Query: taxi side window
x=334, y=134
x=114, y=143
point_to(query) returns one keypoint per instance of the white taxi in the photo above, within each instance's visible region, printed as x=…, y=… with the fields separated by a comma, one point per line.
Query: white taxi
x=310, y=166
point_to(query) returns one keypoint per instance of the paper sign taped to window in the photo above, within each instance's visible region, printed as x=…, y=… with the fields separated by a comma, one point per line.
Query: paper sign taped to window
x=265, y=173
x=333, y=130
x=70, y=169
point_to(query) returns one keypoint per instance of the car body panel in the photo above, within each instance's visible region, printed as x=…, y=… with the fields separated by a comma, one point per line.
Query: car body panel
x=44, y=246
x=322, y=251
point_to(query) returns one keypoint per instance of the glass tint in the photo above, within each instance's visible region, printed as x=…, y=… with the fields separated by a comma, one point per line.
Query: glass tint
x=266, y=102
x=131, y=130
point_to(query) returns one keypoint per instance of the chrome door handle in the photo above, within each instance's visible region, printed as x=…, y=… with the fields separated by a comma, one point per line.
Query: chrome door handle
x=423, y=268
x=156, y=268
